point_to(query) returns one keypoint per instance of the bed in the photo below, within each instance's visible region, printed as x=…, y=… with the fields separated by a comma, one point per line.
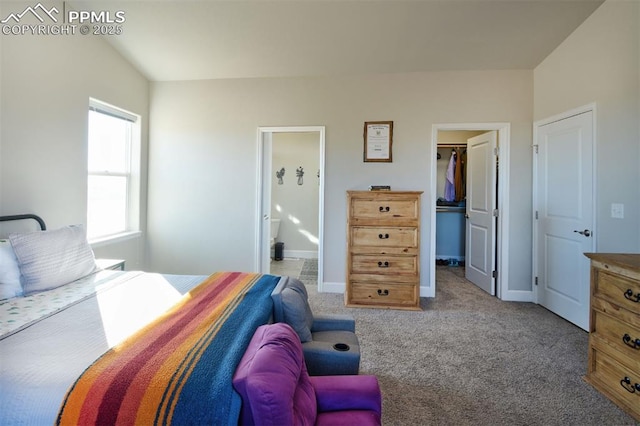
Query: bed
x=120, y=347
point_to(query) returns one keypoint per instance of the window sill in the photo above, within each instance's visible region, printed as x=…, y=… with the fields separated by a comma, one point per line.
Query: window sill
x=112, y=239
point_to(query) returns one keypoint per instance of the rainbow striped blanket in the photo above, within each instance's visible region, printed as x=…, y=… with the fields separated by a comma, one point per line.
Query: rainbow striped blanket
x=178, y=369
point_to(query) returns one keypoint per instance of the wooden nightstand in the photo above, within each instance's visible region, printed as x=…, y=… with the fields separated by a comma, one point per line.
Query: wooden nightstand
x=114, y=264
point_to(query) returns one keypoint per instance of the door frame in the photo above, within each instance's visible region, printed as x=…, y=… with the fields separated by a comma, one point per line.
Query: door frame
x=502, y=225
x=263, y=193
x=591, y=107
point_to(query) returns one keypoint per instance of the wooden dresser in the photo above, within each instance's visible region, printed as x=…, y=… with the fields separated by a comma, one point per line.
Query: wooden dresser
x=383, y=249
x=614, y=325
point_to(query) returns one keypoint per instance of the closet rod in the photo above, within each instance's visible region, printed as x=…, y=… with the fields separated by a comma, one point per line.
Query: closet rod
x=451, y=145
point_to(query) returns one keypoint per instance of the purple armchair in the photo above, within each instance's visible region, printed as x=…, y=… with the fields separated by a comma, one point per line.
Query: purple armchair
x=276, y=389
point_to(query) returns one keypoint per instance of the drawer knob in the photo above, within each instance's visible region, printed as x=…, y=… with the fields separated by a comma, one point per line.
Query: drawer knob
x=383, y=264
x=384, y=292
x=383, y=236
x=630, y=296
x=384, y=209
x=634, y=344
x=631, y=388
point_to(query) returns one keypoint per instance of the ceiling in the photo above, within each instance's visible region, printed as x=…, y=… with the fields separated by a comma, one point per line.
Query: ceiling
x=189, y=40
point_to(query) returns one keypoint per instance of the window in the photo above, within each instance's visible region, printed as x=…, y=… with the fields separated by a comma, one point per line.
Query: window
x=113, y=171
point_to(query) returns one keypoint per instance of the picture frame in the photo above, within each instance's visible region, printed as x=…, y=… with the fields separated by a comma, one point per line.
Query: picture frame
x=378, y=141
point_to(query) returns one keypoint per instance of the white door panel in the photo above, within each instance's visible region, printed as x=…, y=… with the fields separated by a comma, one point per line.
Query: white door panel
x=481, y=201
x=477, y=249
x=565, y=211
x=556, y=272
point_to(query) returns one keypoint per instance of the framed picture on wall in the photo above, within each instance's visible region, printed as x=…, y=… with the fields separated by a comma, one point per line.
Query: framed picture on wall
x=378, y=139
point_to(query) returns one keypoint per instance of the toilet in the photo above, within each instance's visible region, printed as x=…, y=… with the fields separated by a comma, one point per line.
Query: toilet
x=275, y=227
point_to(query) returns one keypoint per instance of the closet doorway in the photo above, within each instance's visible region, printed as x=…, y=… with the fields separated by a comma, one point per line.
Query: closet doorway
x=290, y=170
x=469, y=191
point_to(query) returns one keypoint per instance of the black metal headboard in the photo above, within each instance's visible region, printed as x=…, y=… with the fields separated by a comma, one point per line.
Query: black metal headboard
x=25, y=216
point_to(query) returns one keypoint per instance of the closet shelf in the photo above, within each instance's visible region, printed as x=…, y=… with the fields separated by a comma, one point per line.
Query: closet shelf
x=451, y=145
x=450, y=209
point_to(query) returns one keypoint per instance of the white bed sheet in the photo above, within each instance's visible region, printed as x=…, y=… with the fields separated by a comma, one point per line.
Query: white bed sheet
x=18, y=312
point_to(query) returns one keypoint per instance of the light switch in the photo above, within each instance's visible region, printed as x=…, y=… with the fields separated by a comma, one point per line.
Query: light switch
x=617, y=211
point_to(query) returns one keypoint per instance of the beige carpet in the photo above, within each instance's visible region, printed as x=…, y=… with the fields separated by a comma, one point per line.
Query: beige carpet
x=470, y=359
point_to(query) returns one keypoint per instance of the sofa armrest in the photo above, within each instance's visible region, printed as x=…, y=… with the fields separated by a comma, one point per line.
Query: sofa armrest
x=334, y=393
x=333, y=322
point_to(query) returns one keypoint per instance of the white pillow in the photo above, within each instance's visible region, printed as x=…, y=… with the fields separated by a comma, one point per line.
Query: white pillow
x=49, y=259
x=9, y=272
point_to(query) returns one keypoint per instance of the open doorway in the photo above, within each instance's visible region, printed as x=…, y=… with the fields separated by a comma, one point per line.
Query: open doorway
x=469, y=216
x=291, y=202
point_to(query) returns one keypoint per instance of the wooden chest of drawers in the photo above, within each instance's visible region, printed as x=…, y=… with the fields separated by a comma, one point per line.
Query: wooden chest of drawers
x=614, y=325
x=383, y=249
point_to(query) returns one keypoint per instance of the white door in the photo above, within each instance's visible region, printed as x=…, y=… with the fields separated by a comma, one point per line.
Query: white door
x=265, y=204
x=564, y=187
x=481, y=202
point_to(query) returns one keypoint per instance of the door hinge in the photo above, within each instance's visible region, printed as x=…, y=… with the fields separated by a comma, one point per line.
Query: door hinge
x=536, y=281
x=536, y=214
x=496, y=151
x=535, y=148
x=494, y=274
x=495, y=212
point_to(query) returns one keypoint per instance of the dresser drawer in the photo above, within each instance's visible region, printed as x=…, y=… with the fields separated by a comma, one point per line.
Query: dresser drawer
x=617, y=289
x=620, y=335
x=384, y=294
x=385, y=209
x=614, y=379
x=383, y=236
x=379, y=264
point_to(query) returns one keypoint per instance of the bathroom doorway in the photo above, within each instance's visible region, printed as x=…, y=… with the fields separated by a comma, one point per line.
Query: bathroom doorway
x=468, y=215
x=291, y=202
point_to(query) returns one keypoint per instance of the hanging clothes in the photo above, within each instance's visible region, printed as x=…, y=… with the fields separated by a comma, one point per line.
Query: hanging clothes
x=463, y=155
x=449, y=183
x=459, y=178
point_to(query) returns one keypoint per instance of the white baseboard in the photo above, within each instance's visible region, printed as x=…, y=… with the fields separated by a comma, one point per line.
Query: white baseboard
x=427, y=291
x=518, y=296
x=332, y=288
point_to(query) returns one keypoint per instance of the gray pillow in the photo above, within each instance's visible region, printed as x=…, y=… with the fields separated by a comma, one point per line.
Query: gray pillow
x=49, y=259
x=297, y=312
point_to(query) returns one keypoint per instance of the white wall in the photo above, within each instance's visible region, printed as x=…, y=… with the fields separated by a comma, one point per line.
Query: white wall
x=600, y=62
x=296, y=205
x=46, y=83
x=203, y=132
